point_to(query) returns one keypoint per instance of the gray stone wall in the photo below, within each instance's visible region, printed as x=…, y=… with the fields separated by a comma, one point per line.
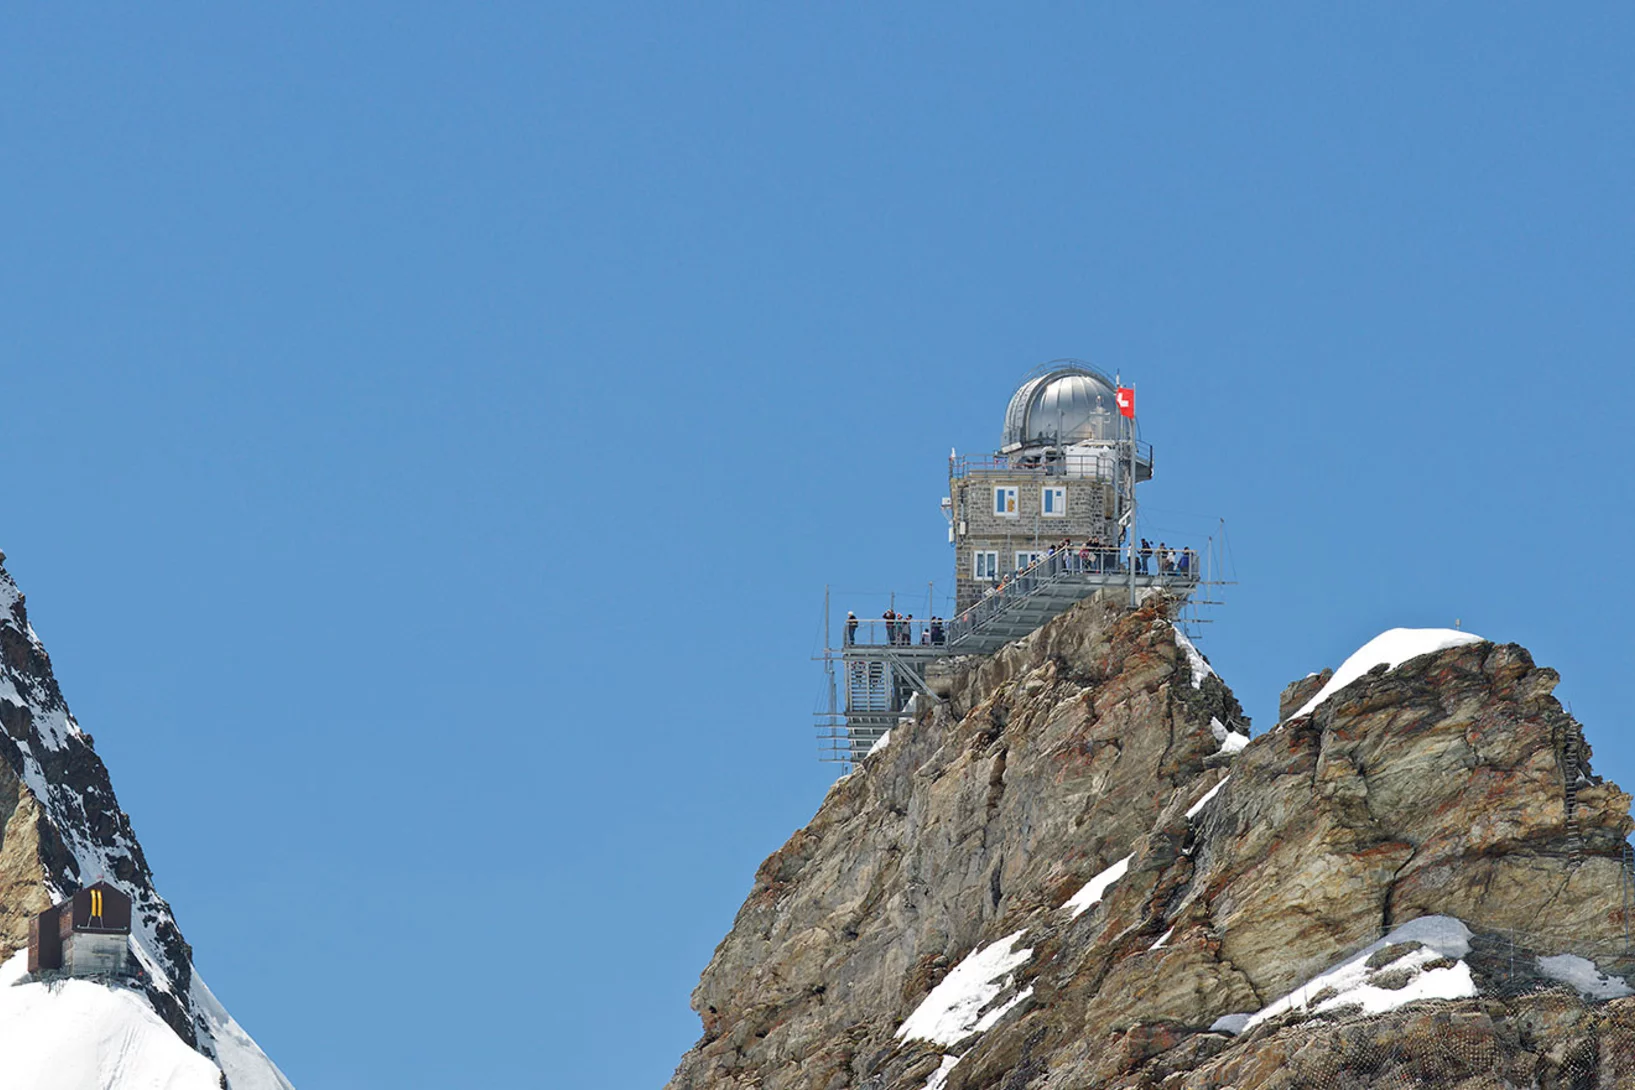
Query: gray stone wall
x=1090, y=513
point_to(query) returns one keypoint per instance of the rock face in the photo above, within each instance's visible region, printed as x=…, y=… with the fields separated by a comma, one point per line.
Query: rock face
x=1084, y=797
x=61, y=829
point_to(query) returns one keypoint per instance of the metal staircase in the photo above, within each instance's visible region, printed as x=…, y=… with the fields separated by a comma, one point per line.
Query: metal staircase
x=882, y=662
x=1041, y=593
x=1628, y=878
x=873, y=703
x=1572, y=774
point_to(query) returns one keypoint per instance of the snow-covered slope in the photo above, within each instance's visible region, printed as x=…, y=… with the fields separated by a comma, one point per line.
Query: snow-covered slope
x=73, y=1034
x=66, y=831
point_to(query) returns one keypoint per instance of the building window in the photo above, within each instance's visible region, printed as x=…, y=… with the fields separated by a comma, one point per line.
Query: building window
x=1024, y=557
x=985, y=566
x=1053, y=502
x=1004, y=502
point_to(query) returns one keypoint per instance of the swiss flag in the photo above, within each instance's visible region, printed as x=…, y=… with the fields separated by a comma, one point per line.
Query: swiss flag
x=1126, y=401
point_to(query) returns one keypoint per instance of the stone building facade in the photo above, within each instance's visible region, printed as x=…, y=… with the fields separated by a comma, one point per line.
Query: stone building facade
x=991, y=542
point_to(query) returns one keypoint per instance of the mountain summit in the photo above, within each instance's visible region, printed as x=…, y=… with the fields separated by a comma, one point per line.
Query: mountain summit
x=61, y=831
x=1076, y=870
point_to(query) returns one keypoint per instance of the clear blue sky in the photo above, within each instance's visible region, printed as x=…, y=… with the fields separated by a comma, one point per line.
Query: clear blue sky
x=428, y=429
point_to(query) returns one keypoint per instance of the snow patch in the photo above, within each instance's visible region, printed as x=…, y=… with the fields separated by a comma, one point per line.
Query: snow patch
x=1348, y=984
x=1198, y=807
x=1231, y=1023
x=1200, y=668
x=1391, y=649
x=953, y=1010
x=939, y=1077
x=880, y=743
x=991, y=1019
x=1092, y=892
x=1231, y=741
x=1584, y=976
x=1162, y=939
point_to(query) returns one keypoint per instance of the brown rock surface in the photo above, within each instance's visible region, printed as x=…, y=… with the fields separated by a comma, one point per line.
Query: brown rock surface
x=1437, y=788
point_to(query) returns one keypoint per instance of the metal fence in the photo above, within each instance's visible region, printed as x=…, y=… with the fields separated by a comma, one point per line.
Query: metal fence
x=1095, y=461
x=1095, y=569
x=905, y=631
x=1090, y=569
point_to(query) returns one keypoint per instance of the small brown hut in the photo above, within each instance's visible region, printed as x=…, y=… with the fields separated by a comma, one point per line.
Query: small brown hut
x=87, y=935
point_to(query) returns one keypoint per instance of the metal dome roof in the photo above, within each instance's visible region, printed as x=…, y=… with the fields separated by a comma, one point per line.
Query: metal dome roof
x=1069, y=403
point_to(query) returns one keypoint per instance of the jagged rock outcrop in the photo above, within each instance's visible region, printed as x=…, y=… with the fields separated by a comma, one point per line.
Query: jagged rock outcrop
x=61, y=829
x=1136, y=883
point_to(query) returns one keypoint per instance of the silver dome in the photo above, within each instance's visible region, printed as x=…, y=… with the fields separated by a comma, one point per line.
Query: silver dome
x=1070, y=403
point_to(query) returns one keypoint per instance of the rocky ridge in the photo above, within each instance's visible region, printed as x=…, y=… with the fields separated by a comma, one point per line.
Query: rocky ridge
x=1073, y=872
x=61, y=829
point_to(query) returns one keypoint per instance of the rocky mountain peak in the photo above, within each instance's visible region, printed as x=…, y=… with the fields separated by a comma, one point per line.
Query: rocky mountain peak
x=1075, y=870
x=61, y=829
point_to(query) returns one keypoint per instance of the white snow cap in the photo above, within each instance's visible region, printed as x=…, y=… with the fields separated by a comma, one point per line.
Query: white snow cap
x=1391, y=649
x=953, y=1010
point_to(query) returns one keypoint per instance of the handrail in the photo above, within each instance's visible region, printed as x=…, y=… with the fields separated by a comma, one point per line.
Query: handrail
x=1056, y=568
x=1053, y=569
x=1111, y=454
x=1089, y=566
x=895, y=632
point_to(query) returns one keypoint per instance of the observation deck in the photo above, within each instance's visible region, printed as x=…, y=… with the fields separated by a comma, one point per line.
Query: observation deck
x=884, y=661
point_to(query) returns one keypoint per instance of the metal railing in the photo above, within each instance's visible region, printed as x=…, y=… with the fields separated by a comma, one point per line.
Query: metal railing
x=1098, y=461
x=1103, y=568
x=1182, y=570
x=1627, y=874
x=895, y=632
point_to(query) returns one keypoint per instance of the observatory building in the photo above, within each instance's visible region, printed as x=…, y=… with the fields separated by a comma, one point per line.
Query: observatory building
x=1066, y=469
x=1045, y=521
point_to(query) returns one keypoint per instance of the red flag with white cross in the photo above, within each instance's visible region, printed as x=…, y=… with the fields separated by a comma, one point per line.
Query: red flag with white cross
x=1126, y=401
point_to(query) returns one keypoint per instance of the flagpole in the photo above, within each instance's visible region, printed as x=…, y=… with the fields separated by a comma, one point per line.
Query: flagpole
x=1131, y=560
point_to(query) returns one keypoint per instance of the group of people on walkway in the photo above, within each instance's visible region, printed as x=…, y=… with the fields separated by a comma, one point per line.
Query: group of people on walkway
x=900, y=629
x=1096, y=555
